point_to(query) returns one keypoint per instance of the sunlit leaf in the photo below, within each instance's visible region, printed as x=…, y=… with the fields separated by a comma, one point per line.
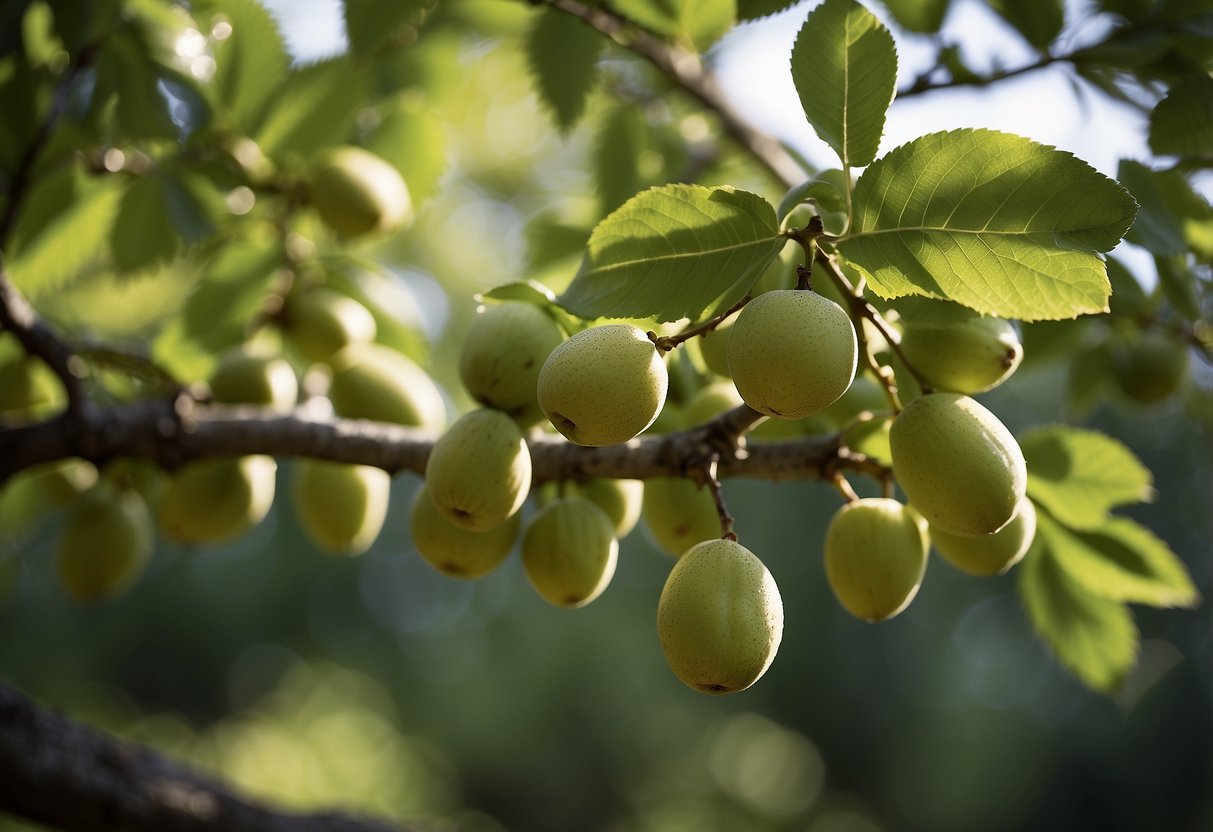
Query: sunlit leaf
x=1095, y=638
x=412, y=138
x=370, y=24
x=617, y=148
x=127, y=77
x=1039, y=21
x=250, y=62
x=563, y=56
x=1121, y=561
x=530, y=291
x=922, y=16
x=697, y=23
x=313, y=109
x=1080, y=475
x=231, y=292
x=844, y=65
x=1182, y=123
x=996, y=222
x=143, y=232
x=672, y=252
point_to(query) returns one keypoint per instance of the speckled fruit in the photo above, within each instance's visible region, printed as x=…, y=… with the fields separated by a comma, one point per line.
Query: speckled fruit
x=990, y=554
x=105, y=545
x=479, y=471
x=371, y=381
x=603, y=385
x=569, y=552
x=453, y=550
x=957, y=463
x=356, y=192
x=216, y=500
x=502, y=354
x=678, y=514
x=875, y=557
x=340, y=507
x=792, y=353
x=720, y=617
x=972, y=356
x=321, y=322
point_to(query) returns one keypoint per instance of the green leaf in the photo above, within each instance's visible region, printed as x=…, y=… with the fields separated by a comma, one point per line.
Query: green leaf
x=1121, y=561
x=143, y=232
x=672, y=252
x=922, y=16
x=1156, y=227
x=755, y=9
x=844, y=65
x=232, y=291
x=695, y=23
x=617, y=148
x=1179, y=285
x=1182, y=123
x=530, y=291
x=410, y=136
x=127, y=77
x=313, y=109
x=1094, y=638
x=563, y=55
x=369, y=24
x=990, y=220
x=1039, y=21
x=250, y=63
x=1080, y=475
x=827, y=191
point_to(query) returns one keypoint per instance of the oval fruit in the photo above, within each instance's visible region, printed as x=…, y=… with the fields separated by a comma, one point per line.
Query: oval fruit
x=502, y=354
x=479, y=471
x=371, y=381
x=321, y=322
x=569, y=552
x=714, y=347
x=245, y=378
x=957, y=463
x=1150, y=368
x=990, y=554
x=971, y=356
x=340, y=507
x=216, y=500
x=603, y=385
x=792, y=353
x=710, y=401
x=720, y=617
x=105, y=545
x=620, y=500
x=875, y=557
x=454, y=550
x=678, y=514
x=356, y=192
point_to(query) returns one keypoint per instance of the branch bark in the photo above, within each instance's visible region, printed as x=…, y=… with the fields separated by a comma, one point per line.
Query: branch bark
x=57, y=772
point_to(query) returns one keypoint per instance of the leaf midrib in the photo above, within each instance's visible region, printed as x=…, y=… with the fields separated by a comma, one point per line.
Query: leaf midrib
x=621, y=264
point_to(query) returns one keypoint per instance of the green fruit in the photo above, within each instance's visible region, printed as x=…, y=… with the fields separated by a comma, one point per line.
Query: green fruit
x=620, y=500
x=973, y=356
x=340, y=507
x=603, y=385
x=371, y=381
x=502, y=354
x=479, y=471
x=61, y=482
x=714, y=347
x=720, y=617
x=29, y=390
x=957, y=463
x=709, y=402
x=105, y=545
x=875, y=557
x=454, y=550
x=1150, y=368
x=990, y=554
x=216, y=500
x=321, y=322
x=870, y=437
x=356, y=192
x=243, y=378
x=569, y=552
x=865, y=395
x=678, y=514
x=792, y=353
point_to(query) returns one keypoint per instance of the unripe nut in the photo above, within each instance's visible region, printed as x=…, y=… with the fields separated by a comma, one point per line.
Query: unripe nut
x=479, y=471
x=875, y=557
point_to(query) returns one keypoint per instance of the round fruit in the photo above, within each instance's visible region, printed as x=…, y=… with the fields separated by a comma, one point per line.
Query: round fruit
x=792, y=353
x=62, y=481
x=990, y=554
x=714, y=347
x=679, y=514
x=321, y=322
x=973, y=356
x=216, y=500
x=865, y=395
x=709, y=402
x=341, y=507
x=720, y=617
x=875, y=557
x=244, y=378
x=105, y=545
x=620, y=500
x=29, y=390
x=502, y=354
x=1150, y=368
x=454, y=550
x=569, y=552
x=357, y=192
x=870, y=437
x=603, y=385
x=957, y=463
x=479, y=471
x=371, y=381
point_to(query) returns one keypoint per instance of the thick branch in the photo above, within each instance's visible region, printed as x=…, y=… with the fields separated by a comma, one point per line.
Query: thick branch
x=57, y=772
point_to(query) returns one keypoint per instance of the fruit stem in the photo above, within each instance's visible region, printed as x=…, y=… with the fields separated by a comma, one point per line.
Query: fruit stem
x=844, y=487
x=665, y=343
x=706, y=476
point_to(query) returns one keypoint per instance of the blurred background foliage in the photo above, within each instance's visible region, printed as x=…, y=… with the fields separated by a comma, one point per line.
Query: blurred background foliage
x=376, y=684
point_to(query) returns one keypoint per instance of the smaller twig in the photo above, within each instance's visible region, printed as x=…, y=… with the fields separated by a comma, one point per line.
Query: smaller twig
x=708, y=479
x=665, y=343
x=843, y=487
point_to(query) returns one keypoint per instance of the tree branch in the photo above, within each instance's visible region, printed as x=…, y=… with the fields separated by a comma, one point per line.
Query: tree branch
x=57, y=772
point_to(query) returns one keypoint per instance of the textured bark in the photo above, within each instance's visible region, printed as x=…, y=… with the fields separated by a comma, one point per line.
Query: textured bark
x=68, y=776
